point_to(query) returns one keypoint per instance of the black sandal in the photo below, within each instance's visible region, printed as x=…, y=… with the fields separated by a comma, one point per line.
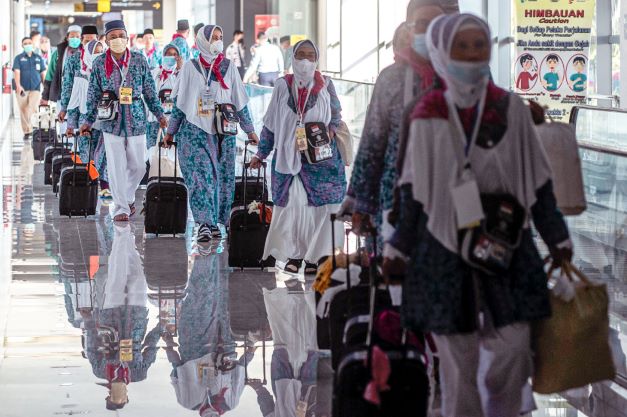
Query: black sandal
x=293, y=265
x=310, y=268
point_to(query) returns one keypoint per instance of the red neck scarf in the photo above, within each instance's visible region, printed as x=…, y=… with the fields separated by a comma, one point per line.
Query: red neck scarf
x=83, y=60
x=165, y=74
x=319, y=84
x=117, y=372
x=215, y=69
x=110, y=65
x=421, y=66
x=177, y=35
x=152, y=51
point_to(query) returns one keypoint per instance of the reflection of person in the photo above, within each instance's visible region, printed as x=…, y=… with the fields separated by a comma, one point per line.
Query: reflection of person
x=207, y=375
x=578, y=79
x=551, y=79
x=523, y=82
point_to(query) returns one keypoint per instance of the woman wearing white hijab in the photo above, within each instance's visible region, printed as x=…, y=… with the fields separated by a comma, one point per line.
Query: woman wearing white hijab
x=304, y=194
x=76, y=110
x=453, y=166
x=207, y=163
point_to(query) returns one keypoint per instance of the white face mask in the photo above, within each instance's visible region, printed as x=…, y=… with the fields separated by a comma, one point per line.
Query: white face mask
x=304, y=71
x=216, y=48
x=117, y=45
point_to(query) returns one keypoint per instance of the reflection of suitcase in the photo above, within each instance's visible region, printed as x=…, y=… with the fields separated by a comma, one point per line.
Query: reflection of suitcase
x=246, y=305
x=78, y=192
x=247, y=232
x=170, y=275
x=599, y=172
x=408, y=381
x=165, y=204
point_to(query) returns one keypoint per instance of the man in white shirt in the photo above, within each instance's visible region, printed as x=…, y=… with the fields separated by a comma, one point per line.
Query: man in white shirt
x=267, y=62
x=236, y=52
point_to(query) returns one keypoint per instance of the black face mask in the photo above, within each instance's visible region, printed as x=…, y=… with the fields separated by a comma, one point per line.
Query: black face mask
x=241, y=41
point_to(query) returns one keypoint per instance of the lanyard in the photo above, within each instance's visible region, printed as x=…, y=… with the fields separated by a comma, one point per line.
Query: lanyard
x=207, y=76
x=464, y=157
x=124, y=70
x=299, y=113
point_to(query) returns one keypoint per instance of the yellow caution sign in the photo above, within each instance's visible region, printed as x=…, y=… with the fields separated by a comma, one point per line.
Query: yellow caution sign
x=294, y=39
x=104, y=6
x=79, y=7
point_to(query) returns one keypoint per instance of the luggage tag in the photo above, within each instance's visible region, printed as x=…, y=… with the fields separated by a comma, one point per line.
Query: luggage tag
x=301, y=137
x=467, y=202
x=126, y=350
x=126, y=95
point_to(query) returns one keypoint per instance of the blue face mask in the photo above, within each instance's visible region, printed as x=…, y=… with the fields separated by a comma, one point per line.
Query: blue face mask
x=169, y=62
x=420, y=45
x=469, y=72
x=74, y=42
x=28, y=49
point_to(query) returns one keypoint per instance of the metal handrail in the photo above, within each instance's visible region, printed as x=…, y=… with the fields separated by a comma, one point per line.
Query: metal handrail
x=595, y=147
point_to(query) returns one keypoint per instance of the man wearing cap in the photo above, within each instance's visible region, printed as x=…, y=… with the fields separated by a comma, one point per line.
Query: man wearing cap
x=73, y=69
x=180, y=38
x=153, y=55
x=58, y=61
x=118, y=81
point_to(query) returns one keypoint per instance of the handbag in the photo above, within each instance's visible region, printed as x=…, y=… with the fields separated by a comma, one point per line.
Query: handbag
x=572, y=347
x=108, y=106
x=344, y=140
x=166, y=160
x=560, y=143
x=318, y=143
x=491, y=245
x=226, y=119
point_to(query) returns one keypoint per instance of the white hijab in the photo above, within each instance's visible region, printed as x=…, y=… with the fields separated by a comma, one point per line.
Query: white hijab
x=190, y=83
x=516, y=165
x=440, y=37
x=81, y=84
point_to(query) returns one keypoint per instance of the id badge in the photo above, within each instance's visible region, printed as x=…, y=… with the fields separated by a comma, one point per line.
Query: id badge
x=467, y=202
x=301, y=138
x=126, y=350
x=126, y=95
x=38, y=67
x=206, y=105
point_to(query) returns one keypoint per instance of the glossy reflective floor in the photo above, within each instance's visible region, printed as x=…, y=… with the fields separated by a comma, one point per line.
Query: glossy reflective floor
x=197, y=331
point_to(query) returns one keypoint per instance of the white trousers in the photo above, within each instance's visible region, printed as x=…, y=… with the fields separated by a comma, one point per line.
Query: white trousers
x=126, y=165
x=483, y=374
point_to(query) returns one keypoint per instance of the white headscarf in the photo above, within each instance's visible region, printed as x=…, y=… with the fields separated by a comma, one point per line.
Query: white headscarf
x=203, y=42
x=440, y=37
x=89, y=56
x=304, y=74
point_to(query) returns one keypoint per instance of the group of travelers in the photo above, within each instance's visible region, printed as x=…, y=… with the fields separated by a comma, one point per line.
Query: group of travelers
x=441, y=142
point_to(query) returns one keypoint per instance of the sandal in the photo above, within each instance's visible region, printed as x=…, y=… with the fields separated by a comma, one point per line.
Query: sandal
x=132, y=208
x=121, y=218
x=311, y=269
x=293, y=265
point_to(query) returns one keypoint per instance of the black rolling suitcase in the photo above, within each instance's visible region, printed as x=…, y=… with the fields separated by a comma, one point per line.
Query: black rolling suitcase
x=408, y=381
x=78, y=192
x=256, y=190
x=59, y=161
x=165, y=204
x=43, y=136
x=248, y=232
x=52, y=150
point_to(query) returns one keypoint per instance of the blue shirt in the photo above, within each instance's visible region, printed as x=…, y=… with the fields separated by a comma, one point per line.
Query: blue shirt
x=552, y=80
x=30, y=68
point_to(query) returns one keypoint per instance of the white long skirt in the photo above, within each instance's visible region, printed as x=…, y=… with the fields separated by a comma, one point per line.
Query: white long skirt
x=301, y=231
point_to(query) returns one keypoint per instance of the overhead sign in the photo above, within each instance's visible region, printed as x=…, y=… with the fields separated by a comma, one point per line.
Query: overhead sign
x=553, y=43
x=107, y=6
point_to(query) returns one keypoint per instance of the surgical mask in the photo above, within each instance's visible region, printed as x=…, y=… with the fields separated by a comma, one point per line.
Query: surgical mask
x=28, y=49
x=169, y=62
x=117, y=45
x=469, y=72
x=304, y=71
x=74, y=42
x=216, y=48
x=420, y=45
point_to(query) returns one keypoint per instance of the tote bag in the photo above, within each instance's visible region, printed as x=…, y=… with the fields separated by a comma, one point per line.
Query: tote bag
x=572, y=347
x=165, y=158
